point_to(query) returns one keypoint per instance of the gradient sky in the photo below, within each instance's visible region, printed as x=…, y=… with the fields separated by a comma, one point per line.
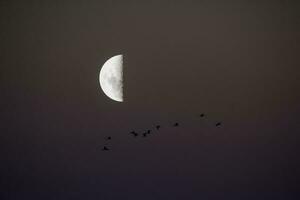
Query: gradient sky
x=236, y=61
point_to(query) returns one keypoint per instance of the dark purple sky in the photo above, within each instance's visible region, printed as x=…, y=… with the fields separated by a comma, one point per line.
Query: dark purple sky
x=236, y=61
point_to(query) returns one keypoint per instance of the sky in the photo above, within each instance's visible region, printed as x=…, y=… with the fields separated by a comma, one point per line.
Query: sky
x=235, y=61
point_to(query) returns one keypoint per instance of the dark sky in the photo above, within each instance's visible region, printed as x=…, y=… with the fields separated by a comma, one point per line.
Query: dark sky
x=236, y=61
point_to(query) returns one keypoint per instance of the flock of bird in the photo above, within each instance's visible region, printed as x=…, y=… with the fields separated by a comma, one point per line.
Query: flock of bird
x=157, y=127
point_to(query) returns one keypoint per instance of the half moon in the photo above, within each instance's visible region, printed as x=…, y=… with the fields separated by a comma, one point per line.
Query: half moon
x=111, y=78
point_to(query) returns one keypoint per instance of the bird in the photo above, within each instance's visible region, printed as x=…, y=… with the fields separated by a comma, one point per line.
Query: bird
x=176, y=124
x=218, y=124
x=157, y=127
x=105, y=148
x=202, y=115
x=134, y=133
x=145, y=134
x=108, y=138
x=148, y=131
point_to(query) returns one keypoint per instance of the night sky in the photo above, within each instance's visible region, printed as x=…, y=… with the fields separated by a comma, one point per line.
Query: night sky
x=236, y=61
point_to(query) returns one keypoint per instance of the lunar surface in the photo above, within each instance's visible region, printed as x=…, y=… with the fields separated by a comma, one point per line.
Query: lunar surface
x=111, y=78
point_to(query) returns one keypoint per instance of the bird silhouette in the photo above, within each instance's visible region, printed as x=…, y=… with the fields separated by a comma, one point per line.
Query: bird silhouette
x=145, y=134
x=218, y=124
x=202, y=115
x=108, y=138
x=105, y=148
x=134, y=133
x=176, y=124
x=148, y=131
x=157, y=127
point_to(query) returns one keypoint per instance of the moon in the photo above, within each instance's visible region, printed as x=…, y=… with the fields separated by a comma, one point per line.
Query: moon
x=111, y=78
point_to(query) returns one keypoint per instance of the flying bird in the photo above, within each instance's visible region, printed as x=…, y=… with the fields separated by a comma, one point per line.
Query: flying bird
x=202, y=115
x=176, y=124
x=134, y=133
x=145, y=134
x=108, y=138
x=105, y=148
x=158, y=127
x=149, y=131
x=218, y=124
